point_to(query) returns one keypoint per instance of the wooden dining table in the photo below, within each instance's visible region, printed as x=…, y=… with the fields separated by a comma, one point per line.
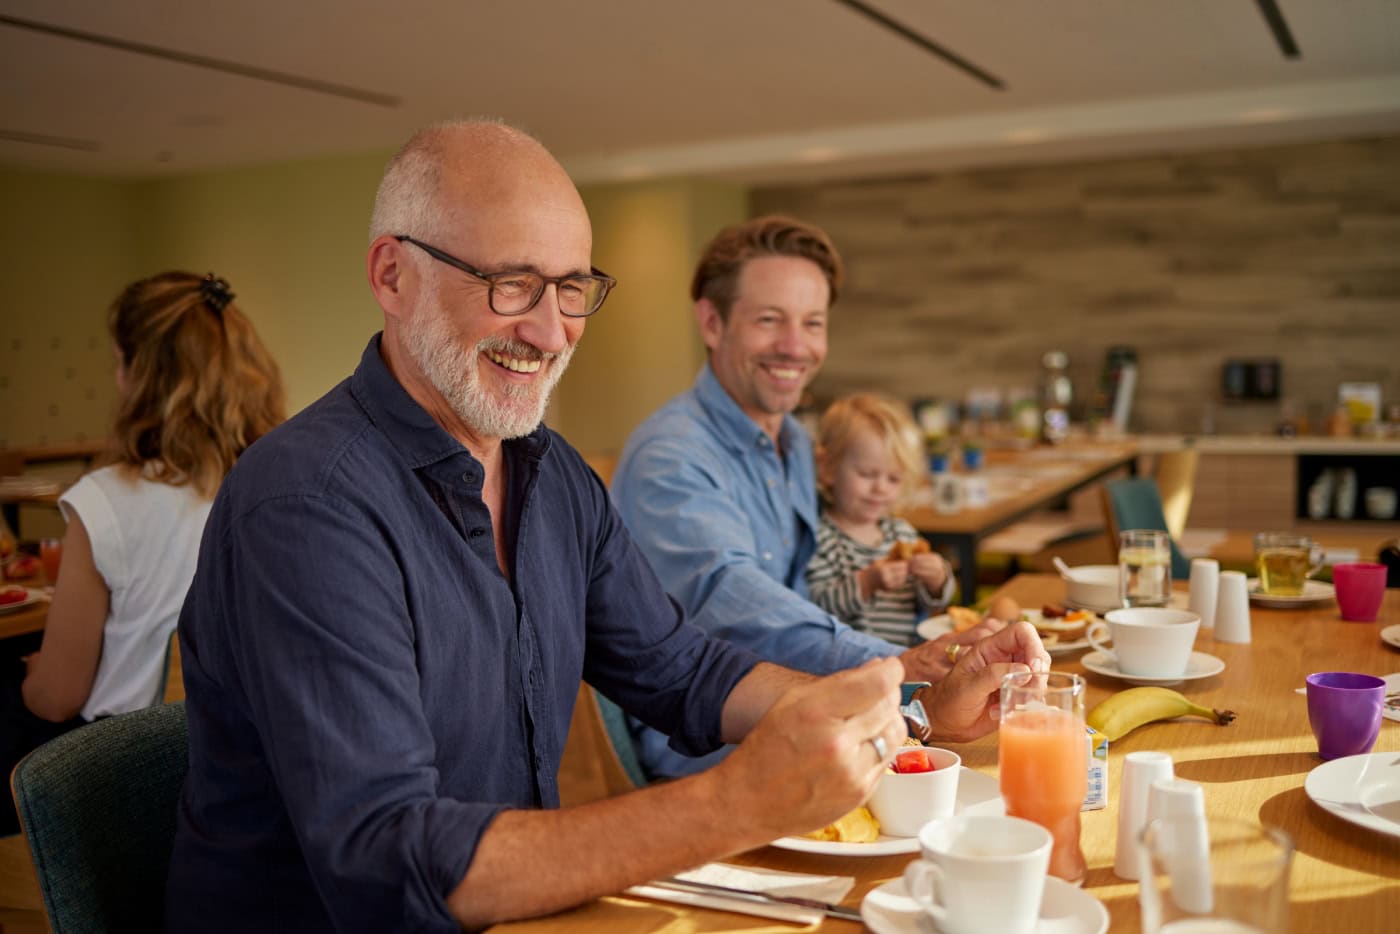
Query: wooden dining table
x=1344, y=877
x=1019, y=482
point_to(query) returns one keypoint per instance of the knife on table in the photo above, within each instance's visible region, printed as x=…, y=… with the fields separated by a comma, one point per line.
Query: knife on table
x=686, y=885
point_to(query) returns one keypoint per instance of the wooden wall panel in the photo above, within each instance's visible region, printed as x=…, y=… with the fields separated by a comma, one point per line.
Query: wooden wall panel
x=965, y=279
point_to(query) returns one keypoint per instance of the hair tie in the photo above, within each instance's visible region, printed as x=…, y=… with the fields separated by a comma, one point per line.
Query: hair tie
x=216, y=294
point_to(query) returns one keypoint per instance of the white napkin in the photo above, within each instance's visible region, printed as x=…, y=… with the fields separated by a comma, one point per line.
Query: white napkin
x=803, y=885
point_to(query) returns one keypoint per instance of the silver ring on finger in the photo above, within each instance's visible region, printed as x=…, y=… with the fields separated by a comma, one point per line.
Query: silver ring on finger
x=882, y=750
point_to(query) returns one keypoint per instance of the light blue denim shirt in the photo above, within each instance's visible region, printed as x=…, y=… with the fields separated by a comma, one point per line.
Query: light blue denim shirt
x=729, y=525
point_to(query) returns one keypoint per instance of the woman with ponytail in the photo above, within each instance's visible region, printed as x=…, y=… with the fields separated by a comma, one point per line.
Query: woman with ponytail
x=196, y=387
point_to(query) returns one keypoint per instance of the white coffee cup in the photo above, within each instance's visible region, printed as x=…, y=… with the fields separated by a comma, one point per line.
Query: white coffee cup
x=1148, y=641
x=904, y=802
x=980, y=873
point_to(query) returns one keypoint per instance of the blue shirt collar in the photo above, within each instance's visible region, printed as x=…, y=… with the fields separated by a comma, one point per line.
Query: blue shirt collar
x=733, y=425
x=408, y=426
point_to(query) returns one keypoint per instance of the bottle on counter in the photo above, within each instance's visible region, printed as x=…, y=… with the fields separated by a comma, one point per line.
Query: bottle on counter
x=1056, y=394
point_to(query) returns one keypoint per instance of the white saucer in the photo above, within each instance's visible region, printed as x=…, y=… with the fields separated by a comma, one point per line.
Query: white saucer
x=1064, y=909
x=1390, y=635
x=1313, y=592
x=1364, y=790
x=1199, y=665
x=1391, y=710
x=977, y=794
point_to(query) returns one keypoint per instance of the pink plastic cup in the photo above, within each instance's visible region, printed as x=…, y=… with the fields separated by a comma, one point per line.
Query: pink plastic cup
x=1360, y=590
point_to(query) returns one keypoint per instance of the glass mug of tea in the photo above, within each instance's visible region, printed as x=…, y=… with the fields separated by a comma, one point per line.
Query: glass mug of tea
x=1285, y=561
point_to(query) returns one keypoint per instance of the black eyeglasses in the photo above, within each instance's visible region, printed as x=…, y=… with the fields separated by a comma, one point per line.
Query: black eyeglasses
x=515, y=292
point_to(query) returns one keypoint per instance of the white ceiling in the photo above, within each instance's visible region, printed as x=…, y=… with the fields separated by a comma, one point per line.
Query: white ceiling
x=746, y=89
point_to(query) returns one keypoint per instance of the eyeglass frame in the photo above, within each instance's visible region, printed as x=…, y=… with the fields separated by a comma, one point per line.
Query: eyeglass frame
x=596, y=274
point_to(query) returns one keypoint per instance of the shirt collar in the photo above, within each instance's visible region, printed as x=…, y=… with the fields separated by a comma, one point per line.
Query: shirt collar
x=407, y=425
x=735, y=427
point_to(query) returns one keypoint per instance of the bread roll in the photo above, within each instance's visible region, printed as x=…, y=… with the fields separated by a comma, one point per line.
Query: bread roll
x=903, y=551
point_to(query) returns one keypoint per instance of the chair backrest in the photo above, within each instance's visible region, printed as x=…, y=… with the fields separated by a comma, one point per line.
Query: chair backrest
x=620, y=739
x=1135, y=503
x=1176, y=482
x=97, y=806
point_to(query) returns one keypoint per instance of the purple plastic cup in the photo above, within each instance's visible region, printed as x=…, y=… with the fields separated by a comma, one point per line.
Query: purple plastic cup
x=1344, y=709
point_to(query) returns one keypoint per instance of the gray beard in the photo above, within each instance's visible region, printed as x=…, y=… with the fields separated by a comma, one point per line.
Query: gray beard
x=515, y=412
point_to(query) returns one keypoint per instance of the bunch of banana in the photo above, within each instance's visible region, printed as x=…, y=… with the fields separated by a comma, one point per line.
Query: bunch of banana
x=1127, y=710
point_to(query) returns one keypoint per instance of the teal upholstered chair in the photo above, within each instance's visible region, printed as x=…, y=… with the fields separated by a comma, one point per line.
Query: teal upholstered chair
x=1135, y=503
x=620, y=738
x=97, y=806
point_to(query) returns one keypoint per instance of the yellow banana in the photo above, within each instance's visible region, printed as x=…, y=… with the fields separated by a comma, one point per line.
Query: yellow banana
x=1127, y=710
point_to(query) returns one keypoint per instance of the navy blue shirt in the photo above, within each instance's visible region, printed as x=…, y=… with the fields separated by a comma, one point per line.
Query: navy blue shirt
x=366, y=690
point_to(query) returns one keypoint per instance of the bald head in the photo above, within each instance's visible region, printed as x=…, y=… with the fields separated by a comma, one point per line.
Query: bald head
x=448, y=174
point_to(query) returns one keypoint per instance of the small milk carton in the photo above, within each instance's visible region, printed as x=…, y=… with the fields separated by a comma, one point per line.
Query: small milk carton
x=1097, y=748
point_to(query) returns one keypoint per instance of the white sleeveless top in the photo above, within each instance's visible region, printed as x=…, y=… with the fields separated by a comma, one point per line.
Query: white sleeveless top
x=145, y=542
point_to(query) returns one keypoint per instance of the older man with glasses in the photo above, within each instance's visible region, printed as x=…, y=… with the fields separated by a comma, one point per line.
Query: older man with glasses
x=399, y=590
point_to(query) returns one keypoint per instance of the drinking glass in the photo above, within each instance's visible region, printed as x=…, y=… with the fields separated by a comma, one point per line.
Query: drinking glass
x=1285, y=561
x=51, y=555
x=1043, y=760
x=1224, y=876
x=1144, y=567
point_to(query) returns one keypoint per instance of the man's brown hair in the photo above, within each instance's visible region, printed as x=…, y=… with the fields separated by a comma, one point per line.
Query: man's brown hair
x=717, y=273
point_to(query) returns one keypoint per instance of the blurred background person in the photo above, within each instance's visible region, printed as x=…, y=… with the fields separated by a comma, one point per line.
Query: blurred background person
x=872, y=570
x=195, y=388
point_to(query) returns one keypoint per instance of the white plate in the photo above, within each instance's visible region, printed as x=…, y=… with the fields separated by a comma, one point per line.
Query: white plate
x=34, y=597
x=1064, y=909
x=1199, y=665
x=1390, y=635
x=1391, y=711
x=1313, y=592
x=935, y=626
x=977, y=794
x=1362, y=789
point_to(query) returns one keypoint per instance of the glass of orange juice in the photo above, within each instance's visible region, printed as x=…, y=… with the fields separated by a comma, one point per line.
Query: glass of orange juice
x=1043, y=760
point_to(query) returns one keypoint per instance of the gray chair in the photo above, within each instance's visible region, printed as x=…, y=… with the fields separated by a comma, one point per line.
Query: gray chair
x=97, y=806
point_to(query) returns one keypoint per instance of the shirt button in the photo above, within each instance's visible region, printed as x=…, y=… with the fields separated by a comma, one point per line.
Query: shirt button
x=468, y=477
x=772, y=483
x=477, y=532
x=768, y=556
x=786, y=540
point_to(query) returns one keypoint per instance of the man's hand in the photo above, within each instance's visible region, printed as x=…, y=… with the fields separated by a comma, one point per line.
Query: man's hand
x=963, y=706
x=930, y=661
x=810, y=759
x=931, y=569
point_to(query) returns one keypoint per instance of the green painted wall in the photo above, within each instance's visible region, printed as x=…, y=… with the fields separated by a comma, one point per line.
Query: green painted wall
x=291, y=240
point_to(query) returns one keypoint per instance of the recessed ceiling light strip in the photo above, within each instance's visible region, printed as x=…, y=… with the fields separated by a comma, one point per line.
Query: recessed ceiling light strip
x=927, y=44
x=42, y=139
x=202, y=61
x=1279, y=27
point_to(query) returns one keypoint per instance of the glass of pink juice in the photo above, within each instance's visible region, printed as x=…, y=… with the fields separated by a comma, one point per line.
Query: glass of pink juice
x=1043, y=760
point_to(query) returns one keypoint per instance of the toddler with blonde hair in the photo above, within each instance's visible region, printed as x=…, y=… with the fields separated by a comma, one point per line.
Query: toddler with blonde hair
x=871, y=569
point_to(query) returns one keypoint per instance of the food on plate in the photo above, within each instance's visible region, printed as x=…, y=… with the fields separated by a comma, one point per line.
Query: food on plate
x=963, y=617
x=1005, y=609
x=1127, y=710
x=1052, y=611
x=21, y=566
x=903, y=551
x=1069, y=627
x=858, y=826
x=11, y=595
x=909, y=761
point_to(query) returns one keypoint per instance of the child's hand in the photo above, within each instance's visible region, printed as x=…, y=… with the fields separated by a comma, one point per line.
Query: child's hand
x=930, y=569
x=883, y=574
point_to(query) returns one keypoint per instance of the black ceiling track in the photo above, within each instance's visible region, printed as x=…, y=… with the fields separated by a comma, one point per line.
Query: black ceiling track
x=927, y=44
x=42, y=139
x=201, y=61
x=1279, y=27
